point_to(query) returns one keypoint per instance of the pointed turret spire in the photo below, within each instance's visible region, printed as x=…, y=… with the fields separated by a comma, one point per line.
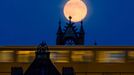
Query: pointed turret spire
x=81, y=27
x=42, y=51
x=95, y=43
x=70, y=19
x=42, y=47
x=59, y=29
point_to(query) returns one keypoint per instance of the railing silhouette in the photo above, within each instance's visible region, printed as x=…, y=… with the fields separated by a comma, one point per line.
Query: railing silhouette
x=88, y=73
x=104, y=73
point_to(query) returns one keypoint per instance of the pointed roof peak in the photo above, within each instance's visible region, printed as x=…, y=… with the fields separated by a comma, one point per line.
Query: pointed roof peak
x=59, y=22
x=42, y=64
x=59, y=28
x=70, y=22
x=95, y=43
x=42, y=47
x=81, y=27
x=43, y=43
x=81, y=22
x=70, y=17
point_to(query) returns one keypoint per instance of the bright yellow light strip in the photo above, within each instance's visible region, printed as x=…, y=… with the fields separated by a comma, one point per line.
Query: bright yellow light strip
x=6, y=51
x=25, y=52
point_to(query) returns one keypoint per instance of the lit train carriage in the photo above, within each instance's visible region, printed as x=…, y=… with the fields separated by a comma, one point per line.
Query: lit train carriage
x=86, y=60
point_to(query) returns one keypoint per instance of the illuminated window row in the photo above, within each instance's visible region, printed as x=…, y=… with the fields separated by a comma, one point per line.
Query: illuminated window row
x=6, y=56
x=66, y=56
x=110, y=56
x=56, y=56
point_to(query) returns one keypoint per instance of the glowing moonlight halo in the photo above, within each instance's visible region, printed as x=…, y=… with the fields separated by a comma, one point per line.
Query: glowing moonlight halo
x=76, y=9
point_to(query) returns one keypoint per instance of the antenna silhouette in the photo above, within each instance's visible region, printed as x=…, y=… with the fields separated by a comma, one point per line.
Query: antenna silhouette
x=95, y=43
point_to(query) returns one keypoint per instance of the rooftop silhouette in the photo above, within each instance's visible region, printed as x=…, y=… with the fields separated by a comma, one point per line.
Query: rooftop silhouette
x=42, y=65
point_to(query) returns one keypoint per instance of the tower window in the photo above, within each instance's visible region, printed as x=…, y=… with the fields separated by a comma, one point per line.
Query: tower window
x=69, y=42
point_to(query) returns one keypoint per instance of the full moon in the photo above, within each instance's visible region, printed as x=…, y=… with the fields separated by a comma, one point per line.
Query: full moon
x=77, y=9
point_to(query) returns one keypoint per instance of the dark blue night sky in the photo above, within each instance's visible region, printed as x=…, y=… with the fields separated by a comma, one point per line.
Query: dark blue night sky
x=28, y=22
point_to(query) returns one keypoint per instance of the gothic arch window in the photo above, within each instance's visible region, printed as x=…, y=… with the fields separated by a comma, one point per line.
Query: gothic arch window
x=69, y=42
